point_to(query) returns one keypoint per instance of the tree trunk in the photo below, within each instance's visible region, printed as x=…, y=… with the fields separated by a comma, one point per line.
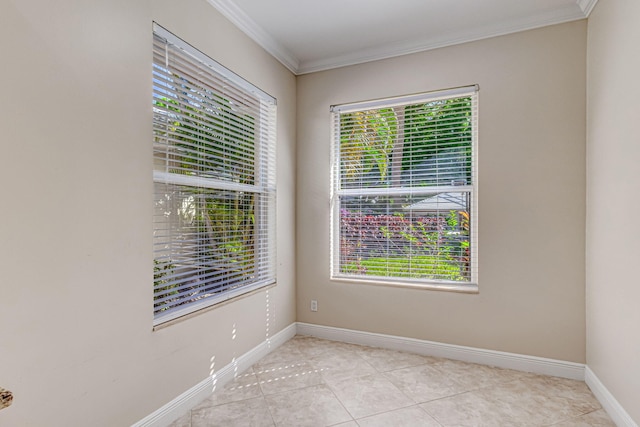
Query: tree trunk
x=398, y=148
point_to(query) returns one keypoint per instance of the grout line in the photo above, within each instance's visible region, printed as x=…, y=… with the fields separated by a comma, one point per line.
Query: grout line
x=356, y=356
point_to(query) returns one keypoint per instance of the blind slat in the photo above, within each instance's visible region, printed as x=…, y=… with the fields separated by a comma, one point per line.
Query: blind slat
x=214, y=181
x=404, y=190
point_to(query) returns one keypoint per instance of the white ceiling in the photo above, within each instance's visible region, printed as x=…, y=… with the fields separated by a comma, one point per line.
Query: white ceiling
x=308, y=36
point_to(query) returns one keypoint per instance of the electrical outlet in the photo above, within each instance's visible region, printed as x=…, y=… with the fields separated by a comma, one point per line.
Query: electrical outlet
x=314, y=305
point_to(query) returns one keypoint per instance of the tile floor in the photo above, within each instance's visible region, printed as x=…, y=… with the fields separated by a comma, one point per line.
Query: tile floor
x=313, y=382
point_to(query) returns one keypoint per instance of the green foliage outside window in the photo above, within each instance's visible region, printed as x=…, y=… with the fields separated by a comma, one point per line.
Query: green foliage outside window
x=396, y=147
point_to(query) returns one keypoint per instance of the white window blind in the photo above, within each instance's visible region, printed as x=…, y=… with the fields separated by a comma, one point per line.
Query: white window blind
x=404, y=190
x=214, y=181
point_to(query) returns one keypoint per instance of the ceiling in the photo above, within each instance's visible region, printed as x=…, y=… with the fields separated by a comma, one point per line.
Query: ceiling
x=308, y=36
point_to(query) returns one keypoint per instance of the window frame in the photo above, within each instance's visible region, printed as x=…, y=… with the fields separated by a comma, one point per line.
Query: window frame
x=337, y=192
x=262, y=207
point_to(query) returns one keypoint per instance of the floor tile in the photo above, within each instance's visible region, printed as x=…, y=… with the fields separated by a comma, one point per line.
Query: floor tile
x=472, y=376
x=386, y=360
x=317, y=382
x=183, y=421
x=312, y=347
x=287, y=352
x=369, y=395
x=279, y=377
x=557, y=398
x=246, y=386
x=251, y=412
x=470, y=409
x=576, y=391
x=597, y=418
x=424, y=383
x=311, y=406
x=334, y=367
x=412, y=416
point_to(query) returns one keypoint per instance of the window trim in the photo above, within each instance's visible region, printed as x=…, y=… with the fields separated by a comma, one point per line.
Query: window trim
x=264, y=170
x=336, y=192
x=211, y=63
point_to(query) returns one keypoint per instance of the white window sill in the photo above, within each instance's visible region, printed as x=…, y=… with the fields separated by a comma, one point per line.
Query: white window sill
x=467, y=288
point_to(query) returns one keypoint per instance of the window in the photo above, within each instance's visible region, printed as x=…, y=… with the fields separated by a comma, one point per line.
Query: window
x=214, y=181
x=404, y=190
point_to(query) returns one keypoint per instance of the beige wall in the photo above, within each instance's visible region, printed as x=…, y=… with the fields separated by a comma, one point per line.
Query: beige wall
x=531, y=196
x=76, y=343
x=613, y=171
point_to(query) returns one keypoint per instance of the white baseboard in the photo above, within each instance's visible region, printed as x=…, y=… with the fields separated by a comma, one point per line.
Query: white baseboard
x=538, y=365
x=196, y=394
x=608, y=402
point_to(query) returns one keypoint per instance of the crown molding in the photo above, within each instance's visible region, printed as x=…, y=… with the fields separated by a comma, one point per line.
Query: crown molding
x=587, y=6
x=240, y=19
x=557, y=16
